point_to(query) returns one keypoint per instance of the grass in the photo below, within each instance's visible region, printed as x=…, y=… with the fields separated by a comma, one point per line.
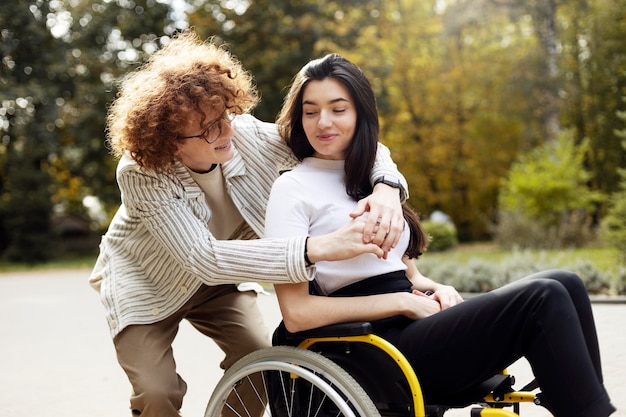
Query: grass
x=605, y=259
x=71, y=263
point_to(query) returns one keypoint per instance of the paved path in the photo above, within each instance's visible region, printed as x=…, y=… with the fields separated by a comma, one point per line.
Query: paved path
x=56, y=358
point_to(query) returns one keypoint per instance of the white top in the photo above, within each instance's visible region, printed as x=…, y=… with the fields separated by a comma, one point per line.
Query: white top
x=312, y=200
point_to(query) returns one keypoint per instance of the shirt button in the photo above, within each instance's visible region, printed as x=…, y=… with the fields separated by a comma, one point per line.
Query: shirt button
x=114, y=324
x=183, y=289
x=155, y=311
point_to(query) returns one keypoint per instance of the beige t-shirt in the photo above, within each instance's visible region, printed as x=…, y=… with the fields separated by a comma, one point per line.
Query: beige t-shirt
x=225, y=217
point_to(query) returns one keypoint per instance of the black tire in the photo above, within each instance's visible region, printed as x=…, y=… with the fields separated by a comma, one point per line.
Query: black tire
x=286, y=381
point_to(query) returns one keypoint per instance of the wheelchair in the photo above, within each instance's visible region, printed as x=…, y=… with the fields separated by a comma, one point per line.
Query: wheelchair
x=324, y=376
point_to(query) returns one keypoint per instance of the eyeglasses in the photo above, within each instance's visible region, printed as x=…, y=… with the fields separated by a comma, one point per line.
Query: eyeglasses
x=213, y=131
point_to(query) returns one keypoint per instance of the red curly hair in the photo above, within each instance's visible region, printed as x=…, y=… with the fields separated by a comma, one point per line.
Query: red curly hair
x=155, y=100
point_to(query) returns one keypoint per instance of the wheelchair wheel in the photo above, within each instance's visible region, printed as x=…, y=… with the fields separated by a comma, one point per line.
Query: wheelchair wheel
x=284, y=381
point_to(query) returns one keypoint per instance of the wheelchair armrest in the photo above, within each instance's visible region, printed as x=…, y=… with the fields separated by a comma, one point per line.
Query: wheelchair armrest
x=333, y=330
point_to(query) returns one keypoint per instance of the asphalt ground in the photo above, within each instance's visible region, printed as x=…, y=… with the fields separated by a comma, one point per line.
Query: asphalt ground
x=57, y=359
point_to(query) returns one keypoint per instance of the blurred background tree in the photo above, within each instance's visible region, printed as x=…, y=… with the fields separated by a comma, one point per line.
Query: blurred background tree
x=465, y=89
x=614, y=223
x=544, y=201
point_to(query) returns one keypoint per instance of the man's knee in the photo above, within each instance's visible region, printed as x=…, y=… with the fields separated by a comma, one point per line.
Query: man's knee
x=158, y=398
x=250, y=343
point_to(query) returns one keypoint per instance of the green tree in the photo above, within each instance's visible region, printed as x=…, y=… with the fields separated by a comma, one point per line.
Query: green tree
x=614, y=224
x=547, y=187
x=462, y=88
x=446, y=105
x=274, y=39
x=32, y=77
x=107, y=39
x=59, y=63
x=594, y=74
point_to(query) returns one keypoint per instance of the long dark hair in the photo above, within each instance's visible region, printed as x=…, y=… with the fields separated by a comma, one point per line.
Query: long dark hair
x=361, y=152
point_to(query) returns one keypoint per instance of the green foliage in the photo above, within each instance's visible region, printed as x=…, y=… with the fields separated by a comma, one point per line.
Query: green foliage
x=480, y=275
x=549, y=181
x=32, y=80
x=26, y=213
x=595, y=281
x=442, y=235
x=614, y=223
x=516, y=231
x=620, y=283
x=544, y=201
x=274, y=39
x=594, y=62
x=59, y=60
x=462, y=90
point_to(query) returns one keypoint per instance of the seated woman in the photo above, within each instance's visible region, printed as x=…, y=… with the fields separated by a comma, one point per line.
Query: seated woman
x=330, y=121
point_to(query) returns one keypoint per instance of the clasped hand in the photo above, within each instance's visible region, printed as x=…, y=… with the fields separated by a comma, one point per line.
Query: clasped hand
x=421, y=305
x=385, y=222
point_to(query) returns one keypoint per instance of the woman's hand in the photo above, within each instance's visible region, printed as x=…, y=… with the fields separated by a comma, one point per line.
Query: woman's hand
x=344, y=243
x=385, y=221
x=447, y=296
x=419, y=305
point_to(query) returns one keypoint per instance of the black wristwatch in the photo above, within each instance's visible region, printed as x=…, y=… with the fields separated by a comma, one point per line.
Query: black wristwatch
x=392, y=182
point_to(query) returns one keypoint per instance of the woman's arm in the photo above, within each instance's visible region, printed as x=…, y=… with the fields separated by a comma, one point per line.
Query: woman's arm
x=446, y=295
x=302, y=311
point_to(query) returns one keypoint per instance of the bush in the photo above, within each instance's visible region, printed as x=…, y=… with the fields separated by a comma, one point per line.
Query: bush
x=545, y=201
x=443, y=235
x=595, y=281
x=620, y=282
x=614, y=224
x=521, y=264
x=478, y=276
x=516, y=231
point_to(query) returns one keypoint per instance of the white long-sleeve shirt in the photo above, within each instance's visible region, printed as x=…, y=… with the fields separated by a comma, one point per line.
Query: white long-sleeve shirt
x=312, y=200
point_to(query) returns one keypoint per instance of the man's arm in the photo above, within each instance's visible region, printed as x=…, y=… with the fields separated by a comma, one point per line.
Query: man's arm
x=385, y=171
x=385, y=221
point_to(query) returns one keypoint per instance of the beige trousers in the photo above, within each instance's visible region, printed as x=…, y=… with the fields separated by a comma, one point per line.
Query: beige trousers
x=230, y=317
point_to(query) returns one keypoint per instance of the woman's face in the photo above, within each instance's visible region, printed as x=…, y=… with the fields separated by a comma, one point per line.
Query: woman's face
x=202, y=145
x=328, y=118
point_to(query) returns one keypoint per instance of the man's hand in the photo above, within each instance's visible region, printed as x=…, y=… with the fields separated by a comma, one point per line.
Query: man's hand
x=385, y=221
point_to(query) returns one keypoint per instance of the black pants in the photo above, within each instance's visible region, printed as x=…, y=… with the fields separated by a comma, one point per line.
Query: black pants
x=545, y=318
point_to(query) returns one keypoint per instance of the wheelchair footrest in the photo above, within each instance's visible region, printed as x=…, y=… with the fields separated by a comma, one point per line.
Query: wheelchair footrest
x=492, y=412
